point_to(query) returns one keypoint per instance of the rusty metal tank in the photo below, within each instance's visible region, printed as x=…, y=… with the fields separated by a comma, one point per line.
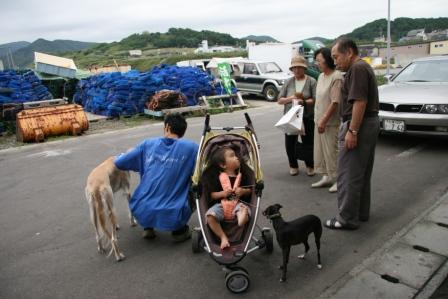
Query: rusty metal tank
x=36, y=124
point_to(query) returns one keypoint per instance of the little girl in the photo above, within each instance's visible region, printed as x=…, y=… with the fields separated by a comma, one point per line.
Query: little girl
x=226, y=182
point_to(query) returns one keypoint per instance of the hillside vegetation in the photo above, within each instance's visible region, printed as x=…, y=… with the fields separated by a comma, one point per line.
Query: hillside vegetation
x=24, y=56
x=398, y=28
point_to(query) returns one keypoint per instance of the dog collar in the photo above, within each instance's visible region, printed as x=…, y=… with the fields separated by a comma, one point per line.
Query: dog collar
x=274, y=216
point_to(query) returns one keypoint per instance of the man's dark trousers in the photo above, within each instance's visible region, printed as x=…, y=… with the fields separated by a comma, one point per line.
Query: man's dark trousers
x=355, y=171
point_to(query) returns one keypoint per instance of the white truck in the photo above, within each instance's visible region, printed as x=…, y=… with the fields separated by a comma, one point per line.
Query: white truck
x=281, y=53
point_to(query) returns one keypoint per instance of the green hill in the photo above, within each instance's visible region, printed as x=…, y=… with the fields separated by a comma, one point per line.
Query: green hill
x=174, y=37
x=24, y=57
x=260, y=38
x=5, y=48
x=174, y=45
x=398, y=27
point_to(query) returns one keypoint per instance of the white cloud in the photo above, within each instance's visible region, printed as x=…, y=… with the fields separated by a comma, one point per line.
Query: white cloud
x=289, y=20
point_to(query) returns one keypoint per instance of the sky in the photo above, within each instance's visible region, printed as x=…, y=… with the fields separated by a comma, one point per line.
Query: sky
x=113, y=20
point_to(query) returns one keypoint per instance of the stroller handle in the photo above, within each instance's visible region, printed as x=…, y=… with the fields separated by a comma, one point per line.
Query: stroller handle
x=248, y=120
x=206, y=124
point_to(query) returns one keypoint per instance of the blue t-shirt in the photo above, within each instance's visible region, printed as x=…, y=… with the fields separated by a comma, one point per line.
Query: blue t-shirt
x=165, y=166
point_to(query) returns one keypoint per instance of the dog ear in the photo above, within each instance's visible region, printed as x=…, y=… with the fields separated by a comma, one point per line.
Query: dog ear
x=279, y=206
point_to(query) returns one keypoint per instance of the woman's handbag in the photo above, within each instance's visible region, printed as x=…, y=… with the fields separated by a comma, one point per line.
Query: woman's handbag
x=291, y=121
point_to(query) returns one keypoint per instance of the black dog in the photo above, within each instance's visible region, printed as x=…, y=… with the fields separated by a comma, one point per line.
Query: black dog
x=293, y=233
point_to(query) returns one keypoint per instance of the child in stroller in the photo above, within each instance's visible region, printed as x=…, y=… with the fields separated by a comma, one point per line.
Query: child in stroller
x=241, y=237
x=226, y=183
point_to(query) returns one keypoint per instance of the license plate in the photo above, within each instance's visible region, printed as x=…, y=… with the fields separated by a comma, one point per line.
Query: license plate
x=393, y=125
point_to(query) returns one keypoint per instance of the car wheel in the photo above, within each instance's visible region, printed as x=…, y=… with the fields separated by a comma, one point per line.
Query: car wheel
x=270, y=93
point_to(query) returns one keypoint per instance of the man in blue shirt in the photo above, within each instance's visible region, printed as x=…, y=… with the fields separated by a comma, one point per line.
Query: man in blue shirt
x=165, y=165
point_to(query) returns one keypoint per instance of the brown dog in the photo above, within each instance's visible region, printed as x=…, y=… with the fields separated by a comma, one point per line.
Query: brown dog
x=102, y=183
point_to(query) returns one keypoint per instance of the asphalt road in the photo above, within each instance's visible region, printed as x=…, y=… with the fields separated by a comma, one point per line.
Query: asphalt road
x=48, y=249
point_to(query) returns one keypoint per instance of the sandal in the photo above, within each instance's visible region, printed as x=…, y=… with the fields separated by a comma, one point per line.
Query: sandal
x=333, y=223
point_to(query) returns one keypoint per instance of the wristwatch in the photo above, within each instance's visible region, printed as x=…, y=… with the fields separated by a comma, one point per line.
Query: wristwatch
x=354, y=132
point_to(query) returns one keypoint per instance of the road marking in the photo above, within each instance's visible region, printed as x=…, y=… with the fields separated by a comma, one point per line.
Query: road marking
x=54, y=153
x=411, y=151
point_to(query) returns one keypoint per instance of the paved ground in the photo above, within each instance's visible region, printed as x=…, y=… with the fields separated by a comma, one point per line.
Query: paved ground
x=48, y=248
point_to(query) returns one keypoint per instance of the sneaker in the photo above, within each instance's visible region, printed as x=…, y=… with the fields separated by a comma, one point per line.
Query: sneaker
x=334, y=188
x=149, y=233
x=293, y=171
x=310, y=171
x=324, y=182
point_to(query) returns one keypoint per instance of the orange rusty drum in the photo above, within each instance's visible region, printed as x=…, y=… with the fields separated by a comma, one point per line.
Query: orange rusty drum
x=39, y=123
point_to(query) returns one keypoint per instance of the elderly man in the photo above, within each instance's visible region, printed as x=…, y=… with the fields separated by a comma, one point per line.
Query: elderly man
x=357, y=136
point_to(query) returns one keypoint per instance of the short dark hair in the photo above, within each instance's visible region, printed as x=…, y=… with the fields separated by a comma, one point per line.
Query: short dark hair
x=344, y=44
x=177, y=124
x=326, y=54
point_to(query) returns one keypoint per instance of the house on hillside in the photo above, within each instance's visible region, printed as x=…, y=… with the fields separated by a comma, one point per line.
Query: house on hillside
x=135, y=53
x=415, y=35
x=110, y=68
x=368, y=50
x=438, y=35
x=204, y=48
x=379, y=39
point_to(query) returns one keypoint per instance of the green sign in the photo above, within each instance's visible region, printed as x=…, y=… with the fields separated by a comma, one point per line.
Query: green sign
x=224, y=74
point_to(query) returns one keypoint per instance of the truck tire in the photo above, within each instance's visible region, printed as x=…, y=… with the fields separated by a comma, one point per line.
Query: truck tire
x=270, y=93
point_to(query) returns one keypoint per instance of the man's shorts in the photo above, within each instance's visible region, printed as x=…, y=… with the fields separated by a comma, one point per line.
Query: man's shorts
x=218, y=212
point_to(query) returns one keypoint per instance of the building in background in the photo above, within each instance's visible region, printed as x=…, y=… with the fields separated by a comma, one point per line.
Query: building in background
x=122, y=68
x=415, y=35
x=404, y=54
x=438, y=35
x=204, y=48
x=438, y=47
x=135, y=53
x=54, y=65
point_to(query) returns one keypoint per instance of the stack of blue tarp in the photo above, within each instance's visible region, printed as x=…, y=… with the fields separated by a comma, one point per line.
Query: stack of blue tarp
x=114, y=94
x=25, y=86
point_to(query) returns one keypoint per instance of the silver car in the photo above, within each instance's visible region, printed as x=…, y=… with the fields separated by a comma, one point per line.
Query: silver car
x=415, y=101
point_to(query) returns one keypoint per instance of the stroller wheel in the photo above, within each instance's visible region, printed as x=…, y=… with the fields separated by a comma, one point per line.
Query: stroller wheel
x=268, y=240
x=234, y=268
x=237, y=281
x=196, y=237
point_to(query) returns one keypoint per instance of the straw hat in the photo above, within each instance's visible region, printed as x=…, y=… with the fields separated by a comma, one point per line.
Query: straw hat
x=298, y=61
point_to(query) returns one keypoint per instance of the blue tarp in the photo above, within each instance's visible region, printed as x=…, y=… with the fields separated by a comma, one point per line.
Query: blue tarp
x=26, y=87
x=114, y=94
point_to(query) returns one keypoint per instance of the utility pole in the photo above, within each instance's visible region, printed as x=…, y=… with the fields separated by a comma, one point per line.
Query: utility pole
x=388, y=37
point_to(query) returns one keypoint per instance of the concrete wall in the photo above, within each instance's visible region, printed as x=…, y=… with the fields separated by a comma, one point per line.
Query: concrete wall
x=405, y=54
x=439, y=48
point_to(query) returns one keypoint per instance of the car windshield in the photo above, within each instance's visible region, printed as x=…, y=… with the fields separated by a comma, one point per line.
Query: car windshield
x=269, y=67
x=424, y=71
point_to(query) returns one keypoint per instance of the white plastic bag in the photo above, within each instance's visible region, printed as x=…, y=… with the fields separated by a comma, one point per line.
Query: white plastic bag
x=291, y=121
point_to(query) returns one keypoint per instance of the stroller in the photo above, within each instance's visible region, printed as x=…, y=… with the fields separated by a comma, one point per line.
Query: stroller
x=242, y=239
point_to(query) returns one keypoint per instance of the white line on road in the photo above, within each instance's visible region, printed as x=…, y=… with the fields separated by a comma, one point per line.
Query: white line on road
x=411, y=151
